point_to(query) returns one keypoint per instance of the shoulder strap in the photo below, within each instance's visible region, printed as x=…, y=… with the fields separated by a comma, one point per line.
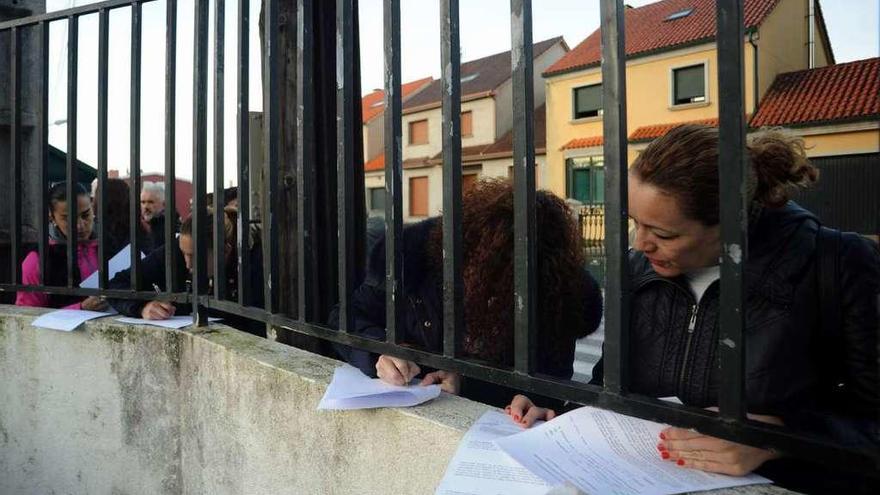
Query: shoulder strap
x=828, y=273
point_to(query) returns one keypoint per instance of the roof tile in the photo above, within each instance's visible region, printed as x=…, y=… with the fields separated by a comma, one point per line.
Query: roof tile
x=647, y=30
x=373, y=104
x=827, y=94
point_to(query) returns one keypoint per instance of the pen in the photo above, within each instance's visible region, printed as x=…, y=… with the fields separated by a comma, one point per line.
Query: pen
x=157, y=289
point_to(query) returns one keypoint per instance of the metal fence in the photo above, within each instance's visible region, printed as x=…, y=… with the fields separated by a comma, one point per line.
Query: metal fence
x=326, y=73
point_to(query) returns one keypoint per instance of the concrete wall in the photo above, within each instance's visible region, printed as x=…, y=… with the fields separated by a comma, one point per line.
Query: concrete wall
x=124, y=410
x=119, y=409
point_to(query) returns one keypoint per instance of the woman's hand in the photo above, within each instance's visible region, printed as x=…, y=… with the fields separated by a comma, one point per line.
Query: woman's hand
x=157, y=310
x=93, y=303
x=396, y=371
x=688, y=448
x=449, y=381
x=524, y=412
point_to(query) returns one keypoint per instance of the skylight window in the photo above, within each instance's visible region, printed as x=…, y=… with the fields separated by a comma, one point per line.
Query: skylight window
x=679, y=14
x=470, y=77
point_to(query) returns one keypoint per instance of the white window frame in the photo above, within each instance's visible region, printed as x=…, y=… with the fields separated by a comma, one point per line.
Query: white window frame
x=671, y=91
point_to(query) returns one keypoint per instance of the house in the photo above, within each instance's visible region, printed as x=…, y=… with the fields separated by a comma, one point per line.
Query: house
x=671, y=78
x=836, y=110
x=486, y=132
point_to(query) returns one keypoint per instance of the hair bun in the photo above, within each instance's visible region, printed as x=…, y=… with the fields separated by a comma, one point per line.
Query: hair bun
x=781, y=165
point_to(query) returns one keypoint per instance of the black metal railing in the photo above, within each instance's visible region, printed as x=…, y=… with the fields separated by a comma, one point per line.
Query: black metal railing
x=316, y=100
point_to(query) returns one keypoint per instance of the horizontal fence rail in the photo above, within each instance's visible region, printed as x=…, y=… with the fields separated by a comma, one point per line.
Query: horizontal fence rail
x=326, y=201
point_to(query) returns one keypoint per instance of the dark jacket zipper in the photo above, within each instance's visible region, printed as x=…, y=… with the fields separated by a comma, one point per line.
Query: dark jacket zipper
x=692, y=325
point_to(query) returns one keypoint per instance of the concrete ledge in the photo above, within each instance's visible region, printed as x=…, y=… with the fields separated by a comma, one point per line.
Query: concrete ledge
x=122, y=409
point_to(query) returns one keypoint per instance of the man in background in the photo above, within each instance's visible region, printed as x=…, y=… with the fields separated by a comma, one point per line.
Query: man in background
x=153, y=216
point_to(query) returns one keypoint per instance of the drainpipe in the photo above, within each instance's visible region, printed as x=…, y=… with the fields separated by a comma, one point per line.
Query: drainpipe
x=753, y=37
x=811, y=36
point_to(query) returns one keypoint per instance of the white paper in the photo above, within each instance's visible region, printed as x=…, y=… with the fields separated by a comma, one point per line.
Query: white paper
x=120, y=261
x=604, y=452
x=173, y=322
x=479, y=467
x=67, y=320
x=351, y=389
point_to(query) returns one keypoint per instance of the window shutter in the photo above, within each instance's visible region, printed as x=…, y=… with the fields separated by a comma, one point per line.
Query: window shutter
x=587, y=101
x=689, y=84
x=418, y=132
x=418, y=196
x=467, y=124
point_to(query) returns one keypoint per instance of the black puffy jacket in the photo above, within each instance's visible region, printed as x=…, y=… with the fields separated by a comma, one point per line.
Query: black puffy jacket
x=793, y=365
x=423, y=315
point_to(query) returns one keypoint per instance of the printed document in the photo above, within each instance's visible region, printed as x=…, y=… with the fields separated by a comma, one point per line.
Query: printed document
x=175, y=322
x=605, y=452
x=351, y=389
x=67, y=320
x=120, y=261
x=479, y=467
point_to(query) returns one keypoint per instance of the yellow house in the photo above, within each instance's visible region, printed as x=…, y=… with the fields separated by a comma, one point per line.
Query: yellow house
x=671, y=78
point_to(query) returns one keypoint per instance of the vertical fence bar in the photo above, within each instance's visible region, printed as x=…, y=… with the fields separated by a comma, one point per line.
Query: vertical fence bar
x=345, y=149
x=453, y=291
x=43, y=143
x=103, y=56
x=72, y=52
x=616, y=349
x=525, y=279
x=135, y=144
x=305, y=158
x=242, y=155
x=271, y=136
x=200, y=159
x=732, y=163
x=15, y=150
x=219, y=203
x=393, y=173
x=171, y=282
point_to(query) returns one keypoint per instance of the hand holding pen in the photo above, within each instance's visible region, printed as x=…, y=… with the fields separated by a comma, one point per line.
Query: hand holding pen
x=157, y=310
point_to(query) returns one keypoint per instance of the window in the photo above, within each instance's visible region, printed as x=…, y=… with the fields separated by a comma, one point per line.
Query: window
x=377, y=199
x=418, y=196
x=587, y=101
x=689, y=84
x=467, y=124
x=679, y=14
x=586, y=180
x=468, y=181
x=418, y=132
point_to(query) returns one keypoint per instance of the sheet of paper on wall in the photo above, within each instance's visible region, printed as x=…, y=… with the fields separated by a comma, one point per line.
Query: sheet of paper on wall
x=601, y=451
x=351, y=389
x=67, y=320
x=479, y=467
x=120, y=261
x=175, y=322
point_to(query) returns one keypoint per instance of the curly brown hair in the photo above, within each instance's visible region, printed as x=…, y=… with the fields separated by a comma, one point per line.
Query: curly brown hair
x=488, y=271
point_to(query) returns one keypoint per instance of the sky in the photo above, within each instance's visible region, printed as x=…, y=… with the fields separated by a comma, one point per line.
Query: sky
x=485, y=29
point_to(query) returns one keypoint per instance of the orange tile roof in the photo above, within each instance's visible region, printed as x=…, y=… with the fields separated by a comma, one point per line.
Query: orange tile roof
x=827, y=94
x=650, y=132
x=373, y=104
x=647, y=30
x=377, y=163
x=583, y=142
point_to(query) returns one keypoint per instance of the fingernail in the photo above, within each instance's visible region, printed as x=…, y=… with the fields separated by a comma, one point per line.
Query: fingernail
x=516, y=417
x=661, y=447
x=665, y=455
x=662, y=436
x=680, y=462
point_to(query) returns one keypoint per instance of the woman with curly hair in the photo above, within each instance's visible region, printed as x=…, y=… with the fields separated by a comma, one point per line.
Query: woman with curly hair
x=811, y=359
x=569, y=301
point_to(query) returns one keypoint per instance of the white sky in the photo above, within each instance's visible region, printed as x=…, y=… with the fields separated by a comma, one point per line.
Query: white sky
x=485, y=29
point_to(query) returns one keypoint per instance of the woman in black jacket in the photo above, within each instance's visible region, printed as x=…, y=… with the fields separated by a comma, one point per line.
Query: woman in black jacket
x=802, y=369
x=569, y=301
x=153, y=275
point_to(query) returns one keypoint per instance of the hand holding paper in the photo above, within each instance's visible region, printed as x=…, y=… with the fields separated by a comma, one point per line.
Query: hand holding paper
x=351, y=389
